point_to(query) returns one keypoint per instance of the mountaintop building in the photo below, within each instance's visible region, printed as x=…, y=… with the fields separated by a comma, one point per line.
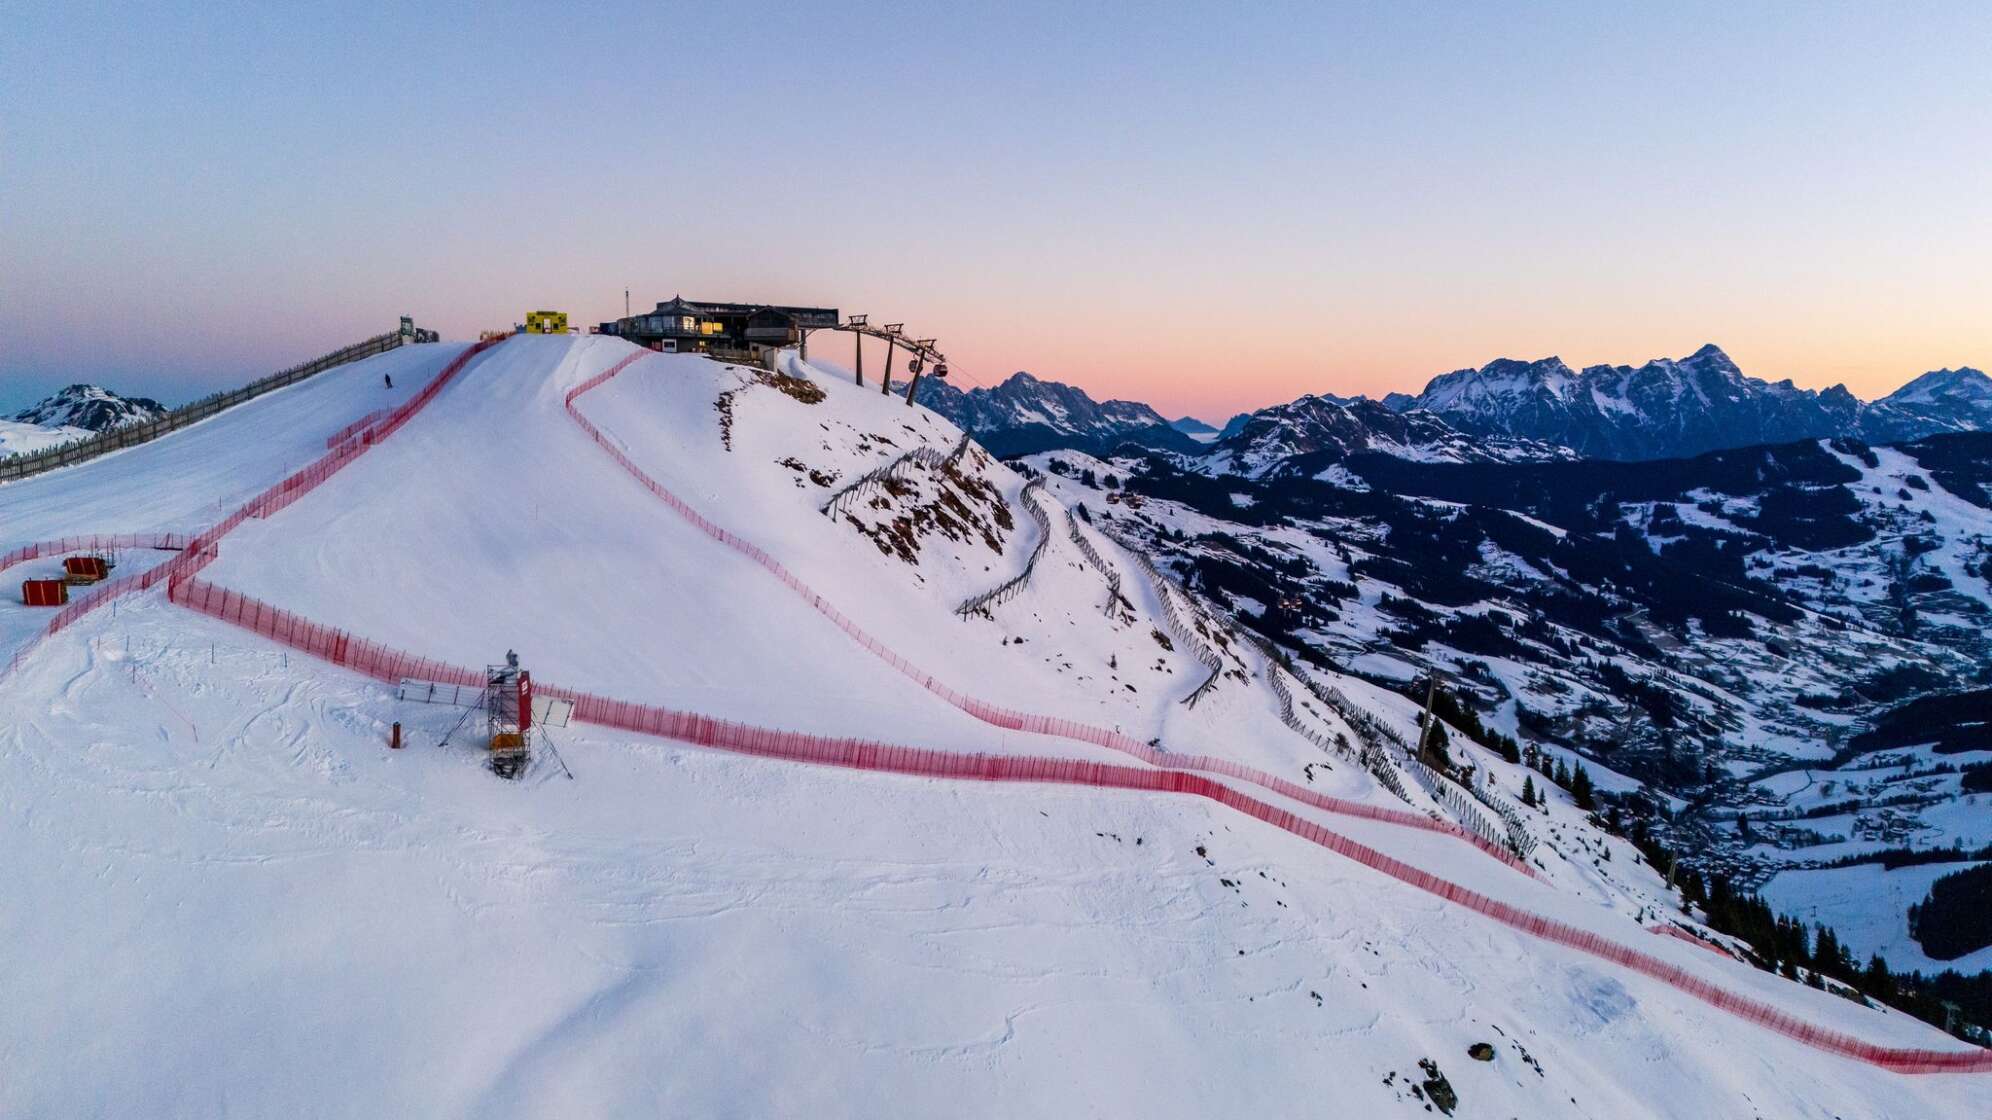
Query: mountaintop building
x=730, y=330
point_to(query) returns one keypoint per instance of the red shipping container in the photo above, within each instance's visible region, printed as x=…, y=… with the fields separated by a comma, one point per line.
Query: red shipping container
x=44, y=592
x=85, y=569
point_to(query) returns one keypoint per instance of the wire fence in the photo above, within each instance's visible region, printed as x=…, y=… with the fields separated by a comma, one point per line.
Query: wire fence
x=1094, y=558
x=1172, y=619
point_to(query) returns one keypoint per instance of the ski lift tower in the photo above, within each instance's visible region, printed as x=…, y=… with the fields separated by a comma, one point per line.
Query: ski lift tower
x=508, y=708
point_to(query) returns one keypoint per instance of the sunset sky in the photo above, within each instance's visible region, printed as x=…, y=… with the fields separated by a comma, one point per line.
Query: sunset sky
x=1207, y=207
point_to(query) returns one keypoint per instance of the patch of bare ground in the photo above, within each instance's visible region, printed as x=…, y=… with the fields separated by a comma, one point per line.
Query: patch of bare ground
x=964, y=507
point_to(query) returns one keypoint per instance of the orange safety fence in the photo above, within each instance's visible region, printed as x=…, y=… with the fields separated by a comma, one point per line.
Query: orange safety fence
x=387, y=664
x=353, y=429
x=92, y=542
x=1669, y=929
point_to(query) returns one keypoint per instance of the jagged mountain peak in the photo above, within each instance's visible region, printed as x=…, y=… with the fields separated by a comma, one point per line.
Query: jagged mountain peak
x=1711, y=355
x=1961, y=384
x=90, y=407
x=1024, y=413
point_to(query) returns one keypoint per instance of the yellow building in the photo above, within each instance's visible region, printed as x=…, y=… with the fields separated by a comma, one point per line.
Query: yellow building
x=546, y=322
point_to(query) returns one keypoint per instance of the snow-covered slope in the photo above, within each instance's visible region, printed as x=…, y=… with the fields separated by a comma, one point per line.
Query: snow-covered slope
x=1720, y=636
x=17, y=438
x=228, y=896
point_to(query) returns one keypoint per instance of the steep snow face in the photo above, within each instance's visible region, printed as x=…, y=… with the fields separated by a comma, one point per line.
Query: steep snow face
x=91, y=408
x=200, y=820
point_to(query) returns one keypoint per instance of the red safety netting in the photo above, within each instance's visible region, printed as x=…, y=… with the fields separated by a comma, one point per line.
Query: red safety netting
x=95, y=596
x=387, y=664
x=1668, y=929
x=353, y=429
x=996, y=715
x=91, y=542
x=323, y=642
x=199, y=550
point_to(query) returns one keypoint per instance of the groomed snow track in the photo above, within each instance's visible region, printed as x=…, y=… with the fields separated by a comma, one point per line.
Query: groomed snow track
x=1173, y=774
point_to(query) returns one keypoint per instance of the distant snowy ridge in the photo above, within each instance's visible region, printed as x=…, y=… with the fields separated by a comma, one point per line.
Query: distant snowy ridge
x=91, y=408
x=74, y=413
x=1504, y=411
x=1670, y=408
x=1325, y=430
x=1024, y=414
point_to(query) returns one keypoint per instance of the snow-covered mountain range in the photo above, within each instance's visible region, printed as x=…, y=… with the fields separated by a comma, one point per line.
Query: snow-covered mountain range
x=823, y=842
x=1326, y=429
x=1671, y=408
x=1504, y=411
x=1024, y=414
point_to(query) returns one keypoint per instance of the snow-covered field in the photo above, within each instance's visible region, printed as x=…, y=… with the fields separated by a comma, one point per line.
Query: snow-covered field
x=226, y=896
x=17, y=438
x=1845, y=898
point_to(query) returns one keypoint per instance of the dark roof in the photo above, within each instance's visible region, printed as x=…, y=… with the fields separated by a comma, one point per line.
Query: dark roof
x=679, y=305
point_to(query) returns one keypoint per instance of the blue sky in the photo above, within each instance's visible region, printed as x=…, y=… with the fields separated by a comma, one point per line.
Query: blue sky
x=1209, y=207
